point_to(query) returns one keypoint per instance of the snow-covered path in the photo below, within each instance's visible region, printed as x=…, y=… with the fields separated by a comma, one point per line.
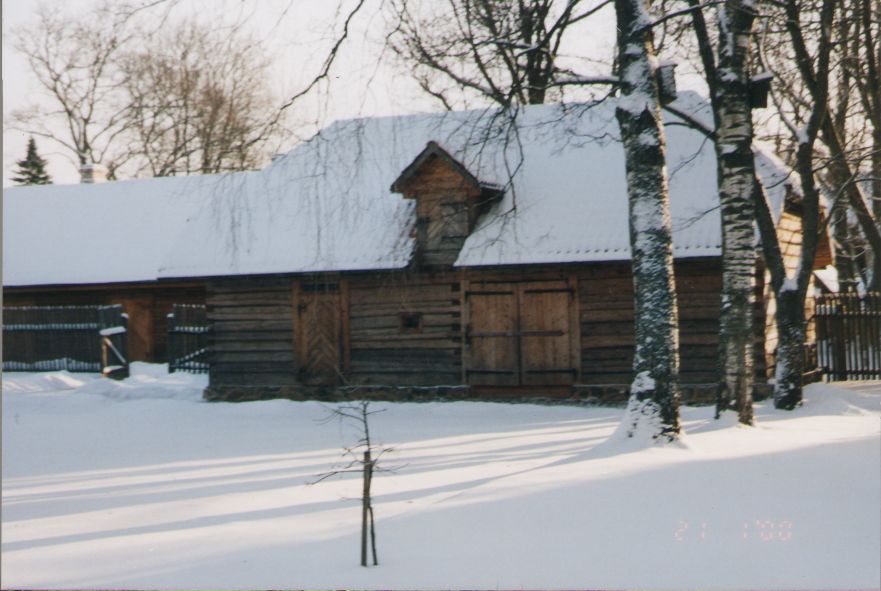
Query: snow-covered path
x=140, y=484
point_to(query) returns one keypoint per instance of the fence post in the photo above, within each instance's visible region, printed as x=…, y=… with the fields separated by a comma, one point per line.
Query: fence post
x=171, y=341
x=113, y=332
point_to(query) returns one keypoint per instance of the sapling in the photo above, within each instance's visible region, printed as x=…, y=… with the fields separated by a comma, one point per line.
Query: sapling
x=363, y=459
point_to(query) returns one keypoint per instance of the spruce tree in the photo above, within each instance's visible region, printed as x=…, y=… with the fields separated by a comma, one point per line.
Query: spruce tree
x=31, y=170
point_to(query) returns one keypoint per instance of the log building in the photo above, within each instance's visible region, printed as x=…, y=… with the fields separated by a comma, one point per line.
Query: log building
x=455, y=255
x=102, y=243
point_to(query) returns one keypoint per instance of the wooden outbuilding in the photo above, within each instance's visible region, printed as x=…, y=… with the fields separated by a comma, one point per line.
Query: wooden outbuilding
x=100, y=244
x=458, y=255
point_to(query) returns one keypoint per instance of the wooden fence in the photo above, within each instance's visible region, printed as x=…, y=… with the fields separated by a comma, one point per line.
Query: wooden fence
x=188, y=339
x=849, y=336
x=72, y=338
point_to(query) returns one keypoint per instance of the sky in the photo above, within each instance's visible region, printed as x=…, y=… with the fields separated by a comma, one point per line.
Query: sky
x=296, y=34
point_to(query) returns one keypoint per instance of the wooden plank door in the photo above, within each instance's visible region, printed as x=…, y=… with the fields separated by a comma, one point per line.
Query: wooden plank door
x=493, y=338
x=545, y=340
x=520, y=334
x=319, y=333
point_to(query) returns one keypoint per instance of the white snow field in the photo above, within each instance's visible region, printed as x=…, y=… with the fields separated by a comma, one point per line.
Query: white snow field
x=140, y=484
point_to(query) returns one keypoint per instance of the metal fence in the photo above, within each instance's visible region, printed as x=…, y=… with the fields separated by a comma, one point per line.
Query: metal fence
x=849, y=336
x=188, y=339
x=72, y=338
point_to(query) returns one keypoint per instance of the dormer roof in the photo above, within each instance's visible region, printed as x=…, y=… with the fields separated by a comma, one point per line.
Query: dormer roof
x=434, y=150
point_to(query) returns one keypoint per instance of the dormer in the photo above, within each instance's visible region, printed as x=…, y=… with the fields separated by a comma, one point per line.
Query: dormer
x=449, y=200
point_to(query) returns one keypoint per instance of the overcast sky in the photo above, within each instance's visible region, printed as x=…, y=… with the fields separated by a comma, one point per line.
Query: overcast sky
x=296, y=34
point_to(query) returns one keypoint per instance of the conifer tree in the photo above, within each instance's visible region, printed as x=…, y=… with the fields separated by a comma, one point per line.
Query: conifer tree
x=31, y=170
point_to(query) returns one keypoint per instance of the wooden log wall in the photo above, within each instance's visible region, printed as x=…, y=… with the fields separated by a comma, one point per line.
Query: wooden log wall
x=606, y=310
x=405, y=329
x=252, y=337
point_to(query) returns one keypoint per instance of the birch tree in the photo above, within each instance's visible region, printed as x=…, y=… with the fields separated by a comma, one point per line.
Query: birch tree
x=727, y=74
x=654, y=394
x=734, y=138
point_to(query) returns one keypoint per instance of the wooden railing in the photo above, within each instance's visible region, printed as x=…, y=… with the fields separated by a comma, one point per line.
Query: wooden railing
x=72, y=338
x=188, y=339
x=849, y=336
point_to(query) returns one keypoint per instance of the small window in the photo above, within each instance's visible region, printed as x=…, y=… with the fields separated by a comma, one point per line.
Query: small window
x=410, y=322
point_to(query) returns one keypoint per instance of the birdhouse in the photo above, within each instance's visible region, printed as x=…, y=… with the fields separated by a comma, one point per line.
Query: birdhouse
x=667, y=82
x=759, y=87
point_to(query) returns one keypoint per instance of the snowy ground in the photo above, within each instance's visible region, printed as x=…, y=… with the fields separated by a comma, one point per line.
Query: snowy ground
x=140, y=484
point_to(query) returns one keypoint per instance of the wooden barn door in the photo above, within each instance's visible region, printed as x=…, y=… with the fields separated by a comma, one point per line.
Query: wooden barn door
x=520, y=334
x=493, y=347
x=319, y=332
x=545, y=314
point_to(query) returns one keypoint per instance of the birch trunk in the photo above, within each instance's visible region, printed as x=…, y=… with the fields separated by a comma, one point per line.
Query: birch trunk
x=736, y=174
x=653, y=409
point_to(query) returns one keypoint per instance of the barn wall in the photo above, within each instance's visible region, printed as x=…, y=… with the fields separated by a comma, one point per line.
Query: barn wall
x=405, y=329
x=252, y=338
x=147, y=305
x=607, y=339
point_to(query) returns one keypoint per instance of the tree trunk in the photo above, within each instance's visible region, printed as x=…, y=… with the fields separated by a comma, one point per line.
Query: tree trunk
x=790, y=319
x=843, y=250
x=736, y=174
x=654, y=394
x=370, y=509
x=365, y=507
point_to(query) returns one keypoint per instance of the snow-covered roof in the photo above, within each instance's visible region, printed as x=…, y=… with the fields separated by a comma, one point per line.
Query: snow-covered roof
x=96, y=233
x=326, y=205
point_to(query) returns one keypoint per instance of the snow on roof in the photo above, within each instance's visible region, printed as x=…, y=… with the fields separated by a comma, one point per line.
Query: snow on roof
x=326, y=205
x=97, y=233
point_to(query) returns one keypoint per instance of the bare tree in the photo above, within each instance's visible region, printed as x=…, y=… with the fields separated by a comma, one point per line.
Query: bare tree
x=790, y=286
x=197, y=101
x=129, y=89
x=849, y=142
x=853, y=151
x=73, y=60
x=654, y=397
x=507, y=52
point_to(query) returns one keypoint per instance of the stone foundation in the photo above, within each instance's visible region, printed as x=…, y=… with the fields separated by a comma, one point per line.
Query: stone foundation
x=581, y=394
